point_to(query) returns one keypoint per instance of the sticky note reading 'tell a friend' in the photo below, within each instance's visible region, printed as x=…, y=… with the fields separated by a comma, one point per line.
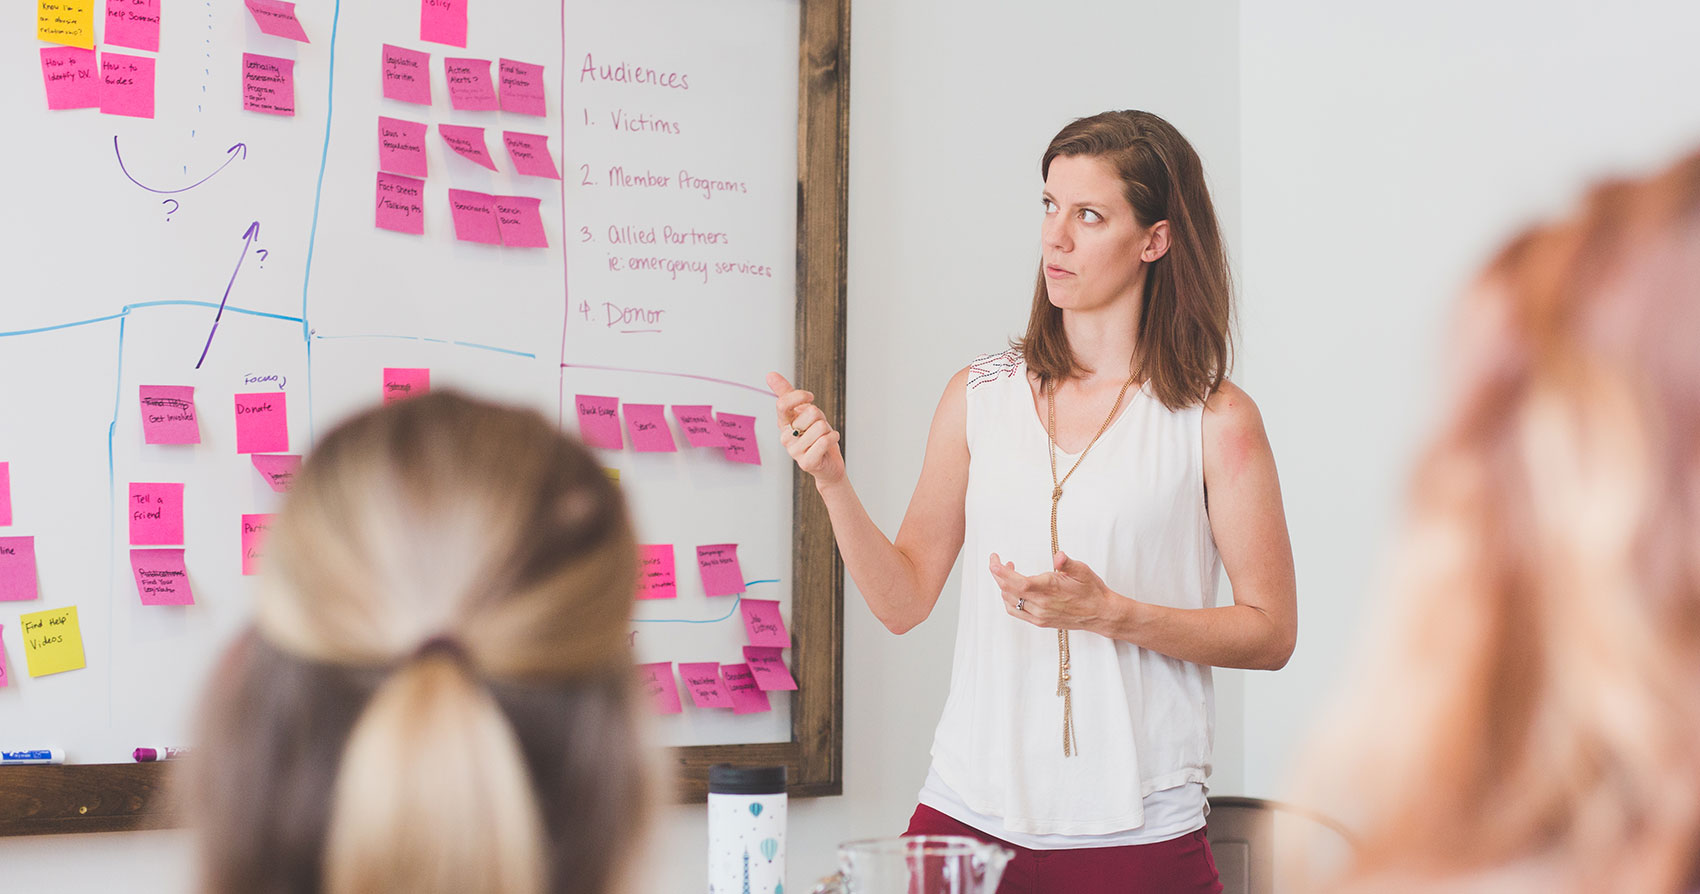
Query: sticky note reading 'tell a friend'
x=262, y=423
x=162, y=578
x=656, y=578
x=155, y=511
x=53, y=641
x=721, y=575
x=168, y=415
x=17, y=569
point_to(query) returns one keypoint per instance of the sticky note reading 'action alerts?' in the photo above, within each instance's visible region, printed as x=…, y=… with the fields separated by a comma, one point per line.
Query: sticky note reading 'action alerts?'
x=769, y=669
x=53, y=641
x=155, y=511
x=126, y=85
x=168, y=415
x=278, y=469
x=647, y=424
x=277, y=18
x=68, y=22
x=268, y=84
x=69, y=76
x=468, y=143
x=740, y=432
x=5, y=494
x=599, y=421
x=657, y=681
x=699, y=426
x=401, y=204
x=161, y=576
x=520, y=221
x=702, y=681
x=747, y=697
x=763, y=623
x=401, y=147
x=254, y=528
x=721, y=575
x=407, y=75
x=530, y=154
x=656, y=579
x=470, y=89
x=402, y=383
x=522, y=87
x=443, y=21
x=133, y=24
x=17, y=569
x=262, y=423
x=474, y=217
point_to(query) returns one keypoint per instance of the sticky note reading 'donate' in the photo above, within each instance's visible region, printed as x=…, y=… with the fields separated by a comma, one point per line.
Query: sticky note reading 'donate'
x=262, y=422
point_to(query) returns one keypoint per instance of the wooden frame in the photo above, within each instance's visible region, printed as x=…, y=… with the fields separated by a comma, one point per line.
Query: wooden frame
x=123, y=797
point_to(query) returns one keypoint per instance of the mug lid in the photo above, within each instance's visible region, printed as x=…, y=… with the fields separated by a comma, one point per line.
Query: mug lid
x=726, y=779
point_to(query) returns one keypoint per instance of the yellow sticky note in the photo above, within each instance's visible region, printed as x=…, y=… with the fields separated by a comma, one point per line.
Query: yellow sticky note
x=53, y=642
x=613, y=474
x=68, y=22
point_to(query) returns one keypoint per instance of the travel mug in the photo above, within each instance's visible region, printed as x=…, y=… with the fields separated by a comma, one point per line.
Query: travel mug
x=746, y=830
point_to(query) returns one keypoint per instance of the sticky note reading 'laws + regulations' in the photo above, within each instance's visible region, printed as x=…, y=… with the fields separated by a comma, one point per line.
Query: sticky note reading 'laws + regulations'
x=254, y=528
x=522, y=87
x=401, y=204
x=657, y=680
x=68, y=22
x=763, y=623
x=475, y=217
x=747, y=697
x=133, y=23
x=268, y=84
x=407, y=75
x=5, y=494
x=401, y=147
x=168, y=415
x=126, y=85
x=161, y=576
x=53, y=641
x=443, y=21
x=69, y=76
x=401, y=383
x=17, y=569
x=520, y=221
x=655, y=572
x=468, y=143
x=599, y=421
x=470, y=89
x=702, y=681
x=699, y=426
x=277, y=18
x=769, y=669
x=740, y=432
x=647, y=425
x=155, y=511
x=262, y=423
x=530, y=154
x=721, y=575
x=278, y=469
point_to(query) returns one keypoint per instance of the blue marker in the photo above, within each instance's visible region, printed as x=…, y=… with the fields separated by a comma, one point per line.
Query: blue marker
x=37, y=756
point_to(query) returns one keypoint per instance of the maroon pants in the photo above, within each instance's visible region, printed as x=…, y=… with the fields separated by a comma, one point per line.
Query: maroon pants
x=1178, y=866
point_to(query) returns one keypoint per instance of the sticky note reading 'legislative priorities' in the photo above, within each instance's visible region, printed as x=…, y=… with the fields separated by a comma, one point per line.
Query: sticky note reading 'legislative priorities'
x=599, y=421
x=530, y=154
x=262, y=423
x=702, y=681
x=126, y=85
x=763, y=623
x=443, y=21
x=69, y=75
x=53, y=641
x=740, y=432
x=468, y=143
x=656, y=579
x=647, y=425
x=268, y=84
x=254, y=528
x=278, y=469
x=68, y=22
x=133, y=24
x=401, y=147
x=747, y=697
x=522, y=87
x=407, y=75
x=17, y=569
x=168, y=415
x=657, y=681
x=161, y=577
x=474, y=216
x=769, y=669
x=277, y=18
x=401, y=204
x=401, y=383
x=155, y=511
x=699, y=426
x=721, y=575
x=470, y=89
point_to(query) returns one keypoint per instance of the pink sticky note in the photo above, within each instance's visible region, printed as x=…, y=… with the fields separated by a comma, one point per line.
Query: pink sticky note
x=599, y=421
x=468, y=143
x=68, y=73
x=254, y=528
x=262, y=423
x=475, y=217
x=769, y=669
x=522, y=87
x=521, y=223
x=5, y=494
x=656, y=679
x=401, y=204
x=161, y=577
x=407, y=75
x=133, y=23
x=747, y=697
x=277, y=18
x=697, y=422
x=740, y=432
x=3, y=681
x=763, y=623
x=655, y=572
x=17, y=569
x=721, y=575
x=702, y=681
x=470, y=89
x=530, y=154
x=278, y=469
x=126, y=85
x=647, y=424
x=401, y=383
x=401, y=147
x=155, y=510
x=443, y=21
x=168, y=415
x=268, y=84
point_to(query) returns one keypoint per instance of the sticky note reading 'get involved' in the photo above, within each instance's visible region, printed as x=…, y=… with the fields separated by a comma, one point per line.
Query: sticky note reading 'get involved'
x=53, y=641
x=5, y=494
x=401, y=147
x=262, y=423
x=468, y=143
x=769, y=669
x=133, y=23
x=721, y=575
x=17, y=569
x=655, y=572
x=599, y=421
x=278, y=469
x=168, y=415
x=763, y=623
x=401, y=383
x=161, y=577
x=747, y=697
x=470, y=89
x=697, y=422
x=474, y=217
x=647, y=424
x=68, y=73
x=522, y=87
x=740, y=432
x=407, y=75
x=702, y=681
x=530, y=154
x=443, y=21
x=401, y=204
x=657, y=681
x=277, y=18
x=520, y=221
x=268, y=84
x=254, y=528
x=126, y=85
x=68, y=22
x=155, y=511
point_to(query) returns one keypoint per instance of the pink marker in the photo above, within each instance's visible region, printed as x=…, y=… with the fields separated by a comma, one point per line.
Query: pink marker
x=158, y=753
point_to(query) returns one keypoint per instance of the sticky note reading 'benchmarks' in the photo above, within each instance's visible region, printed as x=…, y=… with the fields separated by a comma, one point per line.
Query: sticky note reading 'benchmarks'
x=470, y=89
x=468, y=143
x=17, y=569
x=401, y=204
x=530, y=154
x=126, y=85
x=68, y=22
x=763, y=623
x=657, y=681
x=769, y=669
x=168, y=415
x=68, y=74
x=278, y=469
x=407, y=75
x=268, y=84
x=747, y=697
x=133, y=23
x=401, y=147
x=647, y=425
x=522, y=87
x=277, y=18
x=53, y=641
x=474, y=217
x=254, y=528
x=401, y=383
x=702, y=681
x=155, y=511
x=721, y=575
x=697, y=422
x=443, y=21
x=656, y=579
x=740, y=432
x=521, y=222
x=599, y=421
x=161, y=577
x=5, y=494
x=262, y=423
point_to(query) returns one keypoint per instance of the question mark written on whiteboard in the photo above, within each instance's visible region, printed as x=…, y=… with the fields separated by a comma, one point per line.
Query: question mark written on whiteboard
x=262, y=252
x=174, y=206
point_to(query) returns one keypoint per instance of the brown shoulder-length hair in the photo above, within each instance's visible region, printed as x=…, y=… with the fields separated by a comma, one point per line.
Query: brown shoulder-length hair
x=1184, y=346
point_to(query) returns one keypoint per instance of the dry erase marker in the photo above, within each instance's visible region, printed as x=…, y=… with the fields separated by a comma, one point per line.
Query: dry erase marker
x=158, y=753
x=37, y=756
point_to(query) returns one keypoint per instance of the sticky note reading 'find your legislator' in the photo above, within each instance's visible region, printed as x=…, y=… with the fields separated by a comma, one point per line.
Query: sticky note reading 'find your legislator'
x=657, y=681
x=17, y=569
x=656, y=579
x=702, y=681
x=262, y=422
x=161, y=577
x=721, y=575
x=521, y=87
x=53, y=641
x=168, y=415
x=155, y=511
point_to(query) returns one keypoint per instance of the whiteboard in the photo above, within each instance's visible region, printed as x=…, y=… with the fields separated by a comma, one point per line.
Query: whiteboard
x=138, y=230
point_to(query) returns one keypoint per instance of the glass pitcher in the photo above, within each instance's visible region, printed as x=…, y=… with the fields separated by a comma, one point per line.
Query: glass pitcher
x=917, y=864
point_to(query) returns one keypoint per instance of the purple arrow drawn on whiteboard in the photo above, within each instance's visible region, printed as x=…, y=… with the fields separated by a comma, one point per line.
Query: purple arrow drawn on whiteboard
x=247, y=240
x=240, y=150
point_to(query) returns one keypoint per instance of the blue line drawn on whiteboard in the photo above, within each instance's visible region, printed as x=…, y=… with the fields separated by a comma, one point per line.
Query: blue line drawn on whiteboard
x=728, y=615
x=240, y=150
x=440, y=341
x=125, y=311
x=247, y=241
x=313, y=230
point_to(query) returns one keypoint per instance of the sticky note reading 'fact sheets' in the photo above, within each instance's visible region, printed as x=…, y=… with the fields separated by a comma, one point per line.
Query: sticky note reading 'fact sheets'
x=168, y=415
x=657, y=681
x=530, y=154
x=67, y=22
x=740, y=432
x=133, y=24
x=277, y=18
x=520, y=222
x=475, y=217
x=470, y=89
x=599, y=421
x=126, y=85
x=468, y=143
x=443, y=21
x=401, y=204
x=407, y=75
x=747, y=697
x=69, y=76
x=161, y=577
x=697, y=422
x=647, y=424
x=262, y=423
x=401, y=147
x=268, y=84
x=763, y=623
x=53, y=641
x=278, y=469
x=721, y=575
x=254, y=528
x=17, y=569
x=5, y=494
x=702, y=681
x=155, y=511
x=402, y=383
x=656, y=579
x=522, y=87
x=769, y=669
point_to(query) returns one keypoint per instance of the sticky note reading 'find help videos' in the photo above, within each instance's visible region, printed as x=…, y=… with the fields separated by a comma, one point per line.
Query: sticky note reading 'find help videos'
x=155, y=511
x=277, y=18
x=69, y=75
x=401, y=204
x=401, y=383
x=254, y=528
x=657, y=681
x=769, y=669
x=656, y=579
x=168, y=415
x=470, y=89
x=401, y=147
x=599, y=421
x=747, y=697
x=407, y=75
x=647, y=424
x=268, y=84
x=161, y=577
x=262, y=422
x=530, y=154
x=474, y=217
x=702, y=681
x=443, y=21
x=53, y=641
x=17, y=569
x=721, y=575
x=126, y=85
x=740, y=432
x=68, y=22
x=133, y=23
x=763, y=623
x=278, y=469
x=699, y=426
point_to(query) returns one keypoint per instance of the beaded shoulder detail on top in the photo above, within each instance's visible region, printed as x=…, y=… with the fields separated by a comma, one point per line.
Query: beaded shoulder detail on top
x=992, y=367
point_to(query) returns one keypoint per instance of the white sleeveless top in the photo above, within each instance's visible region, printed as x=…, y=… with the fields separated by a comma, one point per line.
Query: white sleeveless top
x=1134, y=512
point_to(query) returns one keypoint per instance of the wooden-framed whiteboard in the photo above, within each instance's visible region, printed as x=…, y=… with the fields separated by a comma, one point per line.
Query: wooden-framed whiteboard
x=108, y=796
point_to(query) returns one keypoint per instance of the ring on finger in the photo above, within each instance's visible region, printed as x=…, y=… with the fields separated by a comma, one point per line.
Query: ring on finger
x=1020, y=602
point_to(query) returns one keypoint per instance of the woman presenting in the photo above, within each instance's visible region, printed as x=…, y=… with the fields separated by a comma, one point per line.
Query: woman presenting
x=1099, y=474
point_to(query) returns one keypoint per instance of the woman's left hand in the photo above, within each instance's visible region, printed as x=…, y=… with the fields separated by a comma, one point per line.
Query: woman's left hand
x=1071, y=596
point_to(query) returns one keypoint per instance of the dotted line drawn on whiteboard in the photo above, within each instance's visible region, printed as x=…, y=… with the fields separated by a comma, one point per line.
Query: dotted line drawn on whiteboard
x=658, y=372
x=313, y=232
x=440, y=341
x=734, y=610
